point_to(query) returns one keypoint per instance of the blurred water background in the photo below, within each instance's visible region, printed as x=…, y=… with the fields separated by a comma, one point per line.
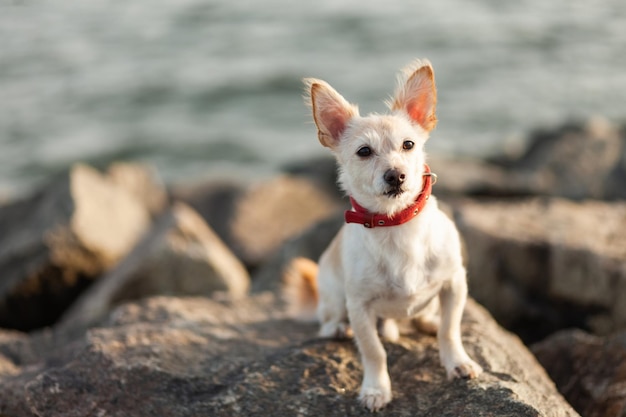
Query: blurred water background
x=212, y=87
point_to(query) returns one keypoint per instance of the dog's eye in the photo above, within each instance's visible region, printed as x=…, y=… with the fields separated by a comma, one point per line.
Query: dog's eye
x=364, y=151
x=408, y=144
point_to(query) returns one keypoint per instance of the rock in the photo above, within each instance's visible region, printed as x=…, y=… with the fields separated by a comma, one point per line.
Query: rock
x=180, y=256
x=544, y=264
x=55, y=242
x=320, y=170
x=142, y=182
x=255, y=221
x=197, y=356
x=576, y=160
x=310, y=244
x=215, y=201
x=274, y=211
x=590, y=371
x=472, y=177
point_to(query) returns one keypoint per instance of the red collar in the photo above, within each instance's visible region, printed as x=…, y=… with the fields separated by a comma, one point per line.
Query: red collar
x=360, y=214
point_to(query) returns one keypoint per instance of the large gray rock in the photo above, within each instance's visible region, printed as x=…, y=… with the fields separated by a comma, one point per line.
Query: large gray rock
x=590, y=371
x=576, y=160
x=56, y=241
x=180, y=256
x=142, y=182
x=254, y=221
x=548, y=263
x=189, y=357
x=309, y=244
x=474, y=177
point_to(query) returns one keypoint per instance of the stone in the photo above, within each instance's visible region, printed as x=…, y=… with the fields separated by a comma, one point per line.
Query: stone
x=215, y=201
x=198, y=356
x=255, y=221
x=473, y=177
x=55, y=242
x=546, y=264
x=142, y=182
x=590, y=371
x=180, y=256
x=320, y=170
x=309, y=244
x=577, y=160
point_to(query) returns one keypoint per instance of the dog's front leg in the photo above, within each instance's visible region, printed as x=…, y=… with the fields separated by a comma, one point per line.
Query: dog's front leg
x=376, y=387
x=453, y=356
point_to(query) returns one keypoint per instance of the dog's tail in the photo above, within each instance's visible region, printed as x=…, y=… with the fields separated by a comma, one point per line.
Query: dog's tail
x=299, y=289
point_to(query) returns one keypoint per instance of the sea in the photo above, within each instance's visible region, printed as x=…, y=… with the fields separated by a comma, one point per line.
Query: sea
x=202, y=88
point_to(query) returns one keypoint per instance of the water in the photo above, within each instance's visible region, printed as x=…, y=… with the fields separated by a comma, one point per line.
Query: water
x=212, y=87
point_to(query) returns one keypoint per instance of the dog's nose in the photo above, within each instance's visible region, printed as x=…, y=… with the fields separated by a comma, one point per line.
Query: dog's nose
x=394, y=177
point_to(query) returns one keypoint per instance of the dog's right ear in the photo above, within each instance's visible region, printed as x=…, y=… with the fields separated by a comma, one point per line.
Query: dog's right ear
x=331, y=111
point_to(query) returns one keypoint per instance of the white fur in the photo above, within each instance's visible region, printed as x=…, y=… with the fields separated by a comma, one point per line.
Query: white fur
x=389, y=272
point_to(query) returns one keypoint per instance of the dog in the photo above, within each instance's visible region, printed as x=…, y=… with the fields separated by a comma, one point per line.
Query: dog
x=398, y=255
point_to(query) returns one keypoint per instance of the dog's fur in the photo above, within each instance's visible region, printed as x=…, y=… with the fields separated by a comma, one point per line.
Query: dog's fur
x=373, y=276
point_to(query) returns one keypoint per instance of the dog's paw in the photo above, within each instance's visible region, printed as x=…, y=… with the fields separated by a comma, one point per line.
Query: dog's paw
x=375, y=398
x=464, y=370
x=332, y=330
x=388, y=330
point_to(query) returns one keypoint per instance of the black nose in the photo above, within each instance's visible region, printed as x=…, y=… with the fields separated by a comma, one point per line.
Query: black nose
x=394, y=177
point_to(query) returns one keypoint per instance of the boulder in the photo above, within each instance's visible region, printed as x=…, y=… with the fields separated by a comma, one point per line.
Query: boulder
x=215, y=201
x=180, y=256
x=576, y=160
x=320, y=170
x=198, y=356
x=466, y=176
x=142, y=182
x=56, y=241
x=255, y=221
x=309, y=244
x=590, y=371
x=540, y=265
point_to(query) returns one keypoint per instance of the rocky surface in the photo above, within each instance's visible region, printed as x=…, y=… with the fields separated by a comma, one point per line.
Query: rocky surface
x=196, y=356
x=589, y=370
x=180, y=256
x=547, y=263
x=55, y=242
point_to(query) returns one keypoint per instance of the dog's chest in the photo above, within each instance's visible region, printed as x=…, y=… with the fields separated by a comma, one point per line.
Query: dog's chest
x=401, y=277
x=404, y=291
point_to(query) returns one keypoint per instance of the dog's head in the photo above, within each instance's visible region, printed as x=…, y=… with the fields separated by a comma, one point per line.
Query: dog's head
x=381, y=157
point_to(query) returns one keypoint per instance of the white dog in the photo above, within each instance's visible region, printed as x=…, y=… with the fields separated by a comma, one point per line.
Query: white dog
x=398, y=255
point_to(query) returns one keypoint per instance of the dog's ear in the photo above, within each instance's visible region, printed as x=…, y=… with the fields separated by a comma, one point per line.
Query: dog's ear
x=416, y=94
x=331, y=111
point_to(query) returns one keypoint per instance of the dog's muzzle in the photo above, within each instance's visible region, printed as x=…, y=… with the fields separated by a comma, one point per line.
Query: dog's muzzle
x=394, y=179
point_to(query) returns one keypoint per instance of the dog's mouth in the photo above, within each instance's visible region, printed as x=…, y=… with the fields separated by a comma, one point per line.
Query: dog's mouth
x=394, y=192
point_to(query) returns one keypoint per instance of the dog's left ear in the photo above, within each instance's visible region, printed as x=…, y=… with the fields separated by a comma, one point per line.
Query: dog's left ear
x=416, y=94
